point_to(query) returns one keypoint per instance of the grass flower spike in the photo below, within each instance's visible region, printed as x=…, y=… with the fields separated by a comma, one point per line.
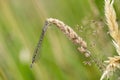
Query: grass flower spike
x=68, y=31
x=112, y=24
x=113, y=62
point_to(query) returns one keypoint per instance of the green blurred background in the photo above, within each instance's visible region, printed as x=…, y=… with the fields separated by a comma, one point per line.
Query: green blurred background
x=21, y=22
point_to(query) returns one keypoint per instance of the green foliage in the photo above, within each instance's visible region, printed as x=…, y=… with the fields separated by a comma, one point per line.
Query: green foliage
x=21, y=22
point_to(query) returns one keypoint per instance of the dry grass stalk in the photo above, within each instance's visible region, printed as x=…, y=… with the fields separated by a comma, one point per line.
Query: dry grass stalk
x=113, y=62
x=113, y=65
x=112, y=24
x=111, y=19
x=69, y=32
